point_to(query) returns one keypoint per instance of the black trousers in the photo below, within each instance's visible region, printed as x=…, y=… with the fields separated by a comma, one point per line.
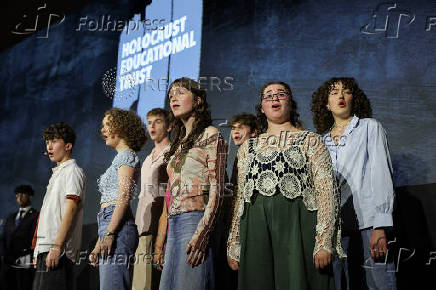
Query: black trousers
x=14, y=278
x=59, y=278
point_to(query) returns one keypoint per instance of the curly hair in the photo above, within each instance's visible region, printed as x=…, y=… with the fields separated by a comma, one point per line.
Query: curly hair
x=60, y=130
x=323, y=118
x=201, y=113
x=247, y=120
x=128, y=126
x=24, y=188
x=294, y=116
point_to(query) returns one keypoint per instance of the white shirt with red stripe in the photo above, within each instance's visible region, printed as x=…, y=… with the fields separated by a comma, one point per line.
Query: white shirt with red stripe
x=67, y=181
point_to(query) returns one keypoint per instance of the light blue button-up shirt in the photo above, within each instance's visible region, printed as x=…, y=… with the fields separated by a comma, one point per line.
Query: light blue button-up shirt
x=363, y=170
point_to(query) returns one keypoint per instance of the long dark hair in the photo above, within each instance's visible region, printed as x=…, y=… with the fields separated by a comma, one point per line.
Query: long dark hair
x=323, y=118
x=201, y=113
x=294, y=116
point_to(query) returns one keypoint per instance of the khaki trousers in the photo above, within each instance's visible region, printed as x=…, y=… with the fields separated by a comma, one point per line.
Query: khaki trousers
x=142, y=272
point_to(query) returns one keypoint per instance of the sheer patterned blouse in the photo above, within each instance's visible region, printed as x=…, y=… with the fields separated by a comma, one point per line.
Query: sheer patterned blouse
x=108, y=184
x=297, y=165
x=196, y=180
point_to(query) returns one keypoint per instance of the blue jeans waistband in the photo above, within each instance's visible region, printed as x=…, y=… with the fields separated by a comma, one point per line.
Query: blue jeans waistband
x=110, y=209
x=186, y=214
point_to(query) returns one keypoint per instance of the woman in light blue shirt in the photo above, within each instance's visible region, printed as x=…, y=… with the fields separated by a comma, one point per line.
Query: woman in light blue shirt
x=360, y=157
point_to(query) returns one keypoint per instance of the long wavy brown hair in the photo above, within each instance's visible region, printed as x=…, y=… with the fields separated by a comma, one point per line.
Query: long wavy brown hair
x=293, y=115
x=323, y=118
x=202, y=117
x=128, y=126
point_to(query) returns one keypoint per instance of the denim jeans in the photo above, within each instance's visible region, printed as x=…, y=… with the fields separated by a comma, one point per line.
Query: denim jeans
x=377, y=275
x=177, y=274
x=116, y=271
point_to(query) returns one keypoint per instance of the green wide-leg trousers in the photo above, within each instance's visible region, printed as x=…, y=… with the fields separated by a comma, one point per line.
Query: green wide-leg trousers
x=277, y=238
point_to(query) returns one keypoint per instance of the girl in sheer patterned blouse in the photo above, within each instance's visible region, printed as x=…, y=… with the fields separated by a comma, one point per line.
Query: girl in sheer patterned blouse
x=123, y=131
x=285, y=225
x=196, y=170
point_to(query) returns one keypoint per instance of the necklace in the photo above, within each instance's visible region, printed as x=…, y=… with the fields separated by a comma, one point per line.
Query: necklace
x=341, y=126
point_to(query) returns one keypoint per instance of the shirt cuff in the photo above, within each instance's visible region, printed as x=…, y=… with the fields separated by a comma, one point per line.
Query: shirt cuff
x=75, y=198
x=382, y=220
x=234, y=250
x=319, y=248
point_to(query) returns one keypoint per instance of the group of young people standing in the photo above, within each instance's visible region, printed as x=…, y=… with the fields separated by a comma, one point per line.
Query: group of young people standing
x=299, y=204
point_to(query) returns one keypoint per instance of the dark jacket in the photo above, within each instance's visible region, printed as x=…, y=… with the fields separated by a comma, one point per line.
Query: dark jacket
x=17, y=241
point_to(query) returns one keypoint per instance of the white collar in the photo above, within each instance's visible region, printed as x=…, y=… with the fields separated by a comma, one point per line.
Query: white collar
x=25, y=209
x=63, y=164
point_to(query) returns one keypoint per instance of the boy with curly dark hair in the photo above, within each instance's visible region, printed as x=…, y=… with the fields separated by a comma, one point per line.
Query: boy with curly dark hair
x=60, y=222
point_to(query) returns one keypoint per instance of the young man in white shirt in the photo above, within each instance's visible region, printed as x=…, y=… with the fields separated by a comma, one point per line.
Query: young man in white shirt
x=60, y=222
x=151, y=200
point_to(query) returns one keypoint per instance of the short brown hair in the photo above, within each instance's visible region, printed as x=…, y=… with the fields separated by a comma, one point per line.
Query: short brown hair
x=246, y=119
x=160, y=112
x=128, y=126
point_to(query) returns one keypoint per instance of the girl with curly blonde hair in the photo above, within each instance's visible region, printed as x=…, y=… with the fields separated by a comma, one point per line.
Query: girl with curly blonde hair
x=117, y=234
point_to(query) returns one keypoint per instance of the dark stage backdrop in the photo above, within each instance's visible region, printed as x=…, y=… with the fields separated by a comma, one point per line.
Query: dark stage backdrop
x=387, y=46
